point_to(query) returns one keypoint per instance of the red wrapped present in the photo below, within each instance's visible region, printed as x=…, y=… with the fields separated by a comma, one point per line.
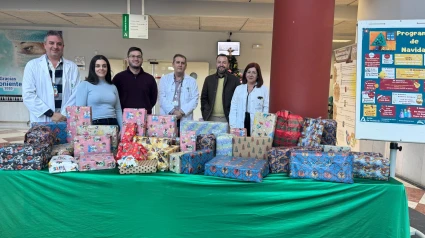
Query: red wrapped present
x=134, y=149
x=130, y=130
x=288, y=129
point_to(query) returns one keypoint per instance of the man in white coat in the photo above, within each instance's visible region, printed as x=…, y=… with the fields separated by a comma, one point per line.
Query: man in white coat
x=178, y=93
x=50, y=82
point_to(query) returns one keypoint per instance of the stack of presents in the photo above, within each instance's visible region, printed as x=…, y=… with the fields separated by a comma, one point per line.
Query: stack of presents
x=280, y=143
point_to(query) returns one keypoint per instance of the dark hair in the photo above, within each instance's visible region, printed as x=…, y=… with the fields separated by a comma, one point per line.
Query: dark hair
x=222, y=55
x=134, y=49
x=53, y=33
x=179, y=55
x=259, y=76
x=92, y=78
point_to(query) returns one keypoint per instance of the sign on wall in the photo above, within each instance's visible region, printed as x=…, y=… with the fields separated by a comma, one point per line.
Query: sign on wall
x=135, y=26
x=17, y=47
x=391, y=81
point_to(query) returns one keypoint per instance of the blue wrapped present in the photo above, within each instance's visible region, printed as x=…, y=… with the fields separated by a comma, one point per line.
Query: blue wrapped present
x=246, y=169
x=58, y=128
x=329, y=132
x=370, y=165
x=224, y=145
x=331, y=166
x=205, y=127
x=194, y=162
x=278, y=157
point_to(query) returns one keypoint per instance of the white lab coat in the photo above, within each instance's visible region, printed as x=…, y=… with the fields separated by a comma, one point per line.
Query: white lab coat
x=37, y=90
x=188, y=99
x=256, y=104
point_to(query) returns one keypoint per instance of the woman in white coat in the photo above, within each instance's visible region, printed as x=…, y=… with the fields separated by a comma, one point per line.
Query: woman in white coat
x=250, y=97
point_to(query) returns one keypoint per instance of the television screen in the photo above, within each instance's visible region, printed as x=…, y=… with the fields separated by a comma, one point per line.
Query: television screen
x=225, y=47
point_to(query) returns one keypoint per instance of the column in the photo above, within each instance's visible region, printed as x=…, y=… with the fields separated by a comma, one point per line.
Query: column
x=301, y=56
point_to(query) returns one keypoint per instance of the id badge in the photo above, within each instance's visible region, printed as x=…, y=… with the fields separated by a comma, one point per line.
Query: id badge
x=175, y=103
x=55, y=90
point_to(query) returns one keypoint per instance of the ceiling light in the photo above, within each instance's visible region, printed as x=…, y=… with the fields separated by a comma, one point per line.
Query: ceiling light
x=341, y=40
x=76, y=14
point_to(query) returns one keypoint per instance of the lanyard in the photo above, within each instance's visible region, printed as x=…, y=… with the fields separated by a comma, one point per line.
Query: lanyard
x=247, y=97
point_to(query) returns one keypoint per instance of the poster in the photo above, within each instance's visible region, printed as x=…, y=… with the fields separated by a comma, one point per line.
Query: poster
x=17, y=47
x=392, y=75
x=344, y=73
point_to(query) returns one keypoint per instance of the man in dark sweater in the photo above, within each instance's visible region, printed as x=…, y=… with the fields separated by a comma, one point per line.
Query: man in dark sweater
x=136, y=88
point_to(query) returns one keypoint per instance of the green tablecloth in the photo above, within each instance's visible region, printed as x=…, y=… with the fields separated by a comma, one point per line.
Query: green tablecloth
x=106, y=204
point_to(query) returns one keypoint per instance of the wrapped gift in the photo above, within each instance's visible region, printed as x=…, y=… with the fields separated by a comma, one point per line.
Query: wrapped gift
x=279, y=157
x=163, y=156
x=144, y=167
x=162, y=126
x=252, y=147
x=312, y=132
x=62, y=163
x=76, y=116
x=138, y=116
x=101, y=130
x=188, y=141
x=58, y=128
x=333, y=148
x=329, y=132
x=371, y=166
x=205, y=127
x=133, y=149
x=264, y=125
x=84, y=145
x=246, y=169
x=205, y=142
x=63, y=149
x=96, y=162
x=153, y=142
x=24, y=156
x=127, y=162
x=332, y=167
x=175, y=162
x=224, y=145
x=40, y=135
x=194, y=162
x=129, y=131
x=288, y=129
x=238, y=131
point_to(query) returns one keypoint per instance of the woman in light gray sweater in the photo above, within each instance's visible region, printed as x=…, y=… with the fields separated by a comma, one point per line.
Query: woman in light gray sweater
x=98, y=92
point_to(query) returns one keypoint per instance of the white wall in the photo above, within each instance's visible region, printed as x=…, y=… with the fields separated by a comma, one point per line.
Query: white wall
x=162, y=45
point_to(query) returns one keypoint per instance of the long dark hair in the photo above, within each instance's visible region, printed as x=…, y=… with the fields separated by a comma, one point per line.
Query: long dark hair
x=260, y=80
x=92, y=78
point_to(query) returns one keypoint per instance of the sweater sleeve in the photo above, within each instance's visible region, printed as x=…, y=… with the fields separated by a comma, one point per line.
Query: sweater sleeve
x=118, y=110
x=82, y=94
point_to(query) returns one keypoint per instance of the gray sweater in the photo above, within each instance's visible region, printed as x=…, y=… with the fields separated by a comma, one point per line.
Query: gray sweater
x=103, y=98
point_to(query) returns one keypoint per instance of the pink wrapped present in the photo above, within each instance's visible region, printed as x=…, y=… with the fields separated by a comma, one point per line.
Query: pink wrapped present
x=76, y=116
x=138, y=116
x=162, y=126
x=238, y=131
x=96, y=162
x=188, y=141
x=84, y=145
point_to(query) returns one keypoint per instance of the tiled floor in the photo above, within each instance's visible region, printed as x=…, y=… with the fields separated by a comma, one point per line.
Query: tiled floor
x=416, y=196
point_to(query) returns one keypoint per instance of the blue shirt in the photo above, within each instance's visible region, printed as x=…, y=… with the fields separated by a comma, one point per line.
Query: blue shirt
x=103, y=98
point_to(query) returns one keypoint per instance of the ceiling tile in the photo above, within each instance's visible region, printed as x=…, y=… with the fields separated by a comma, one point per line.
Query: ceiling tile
x=42, y=18
x=222, y=23
x=8, y=19
x=177, y=22
x=94, y=20
x=258, y=25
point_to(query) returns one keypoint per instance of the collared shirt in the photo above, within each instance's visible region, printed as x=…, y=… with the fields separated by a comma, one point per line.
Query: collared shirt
x=56, y=74
x=177, y=93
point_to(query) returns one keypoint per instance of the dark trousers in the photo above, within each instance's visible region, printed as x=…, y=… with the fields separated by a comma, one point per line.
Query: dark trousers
x=247, y=123
x=106, y=122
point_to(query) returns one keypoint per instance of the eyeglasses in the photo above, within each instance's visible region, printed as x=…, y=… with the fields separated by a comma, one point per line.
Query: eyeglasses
x=135, y=56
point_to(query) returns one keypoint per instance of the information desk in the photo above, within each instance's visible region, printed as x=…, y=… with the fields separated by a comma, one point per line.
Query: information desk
x=106, y=204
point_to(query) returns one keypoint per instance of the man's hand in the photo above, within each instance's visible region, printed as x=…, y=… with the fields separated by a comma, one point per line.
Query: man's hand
x=57, y=117
x=178, y=114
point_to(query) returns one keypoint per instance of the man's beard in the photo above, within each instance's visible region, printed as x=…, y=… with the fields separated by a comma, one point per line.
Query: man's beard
x=221, y=70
